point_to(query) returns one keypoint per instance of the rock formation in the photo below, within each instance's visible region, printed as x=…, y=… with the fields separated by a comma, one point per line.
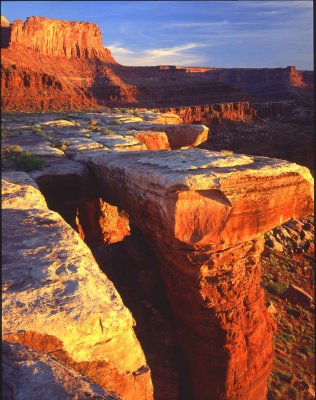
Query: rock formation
x=59, y=38
x=51, y=64
x=214, y=113
x=206, y=214
x=57, y=301
x=31, y=374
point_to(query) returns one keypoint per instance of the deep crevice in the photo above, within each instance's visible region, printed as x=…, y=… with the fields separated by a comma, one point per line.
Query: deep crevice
x=134, y=270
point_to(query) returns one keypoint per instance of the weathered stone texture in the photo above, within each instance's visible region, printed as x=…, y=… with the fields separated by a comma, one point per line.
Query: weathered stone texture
x=56, y=299
x=206, y=213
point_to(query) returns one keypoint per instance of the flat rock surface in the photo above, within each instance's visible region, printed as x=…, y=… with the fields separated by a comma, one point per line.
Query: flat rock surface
x=53, y=289
x=248, y=195
x=30, y=374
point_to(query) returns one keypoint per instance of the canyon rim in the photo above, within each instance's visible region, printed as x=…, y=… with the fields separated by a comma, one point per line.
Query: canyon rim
x=158, y=226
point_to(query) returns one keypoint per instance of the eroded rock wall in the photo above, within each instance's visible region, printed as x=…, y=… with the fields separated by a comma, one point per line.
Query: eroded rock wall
x=214, y=113
x=50, y=64
x=205, y=214
x=58, y=38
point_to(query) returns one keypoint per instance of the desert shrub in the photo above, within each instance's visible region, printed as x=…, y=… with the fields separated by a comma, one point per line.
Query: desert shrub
x=227, y=153
x=285, y=376
x=287, y=338
x=276, y=288
x=6, y=132
x=27, y=161
x=62, y=144
x=107, y=131
x=48, y=137
x=11, y=151
x=37, y=128
x=59, y=144
x=307, y=350
x=136, y=113
x=115, y=122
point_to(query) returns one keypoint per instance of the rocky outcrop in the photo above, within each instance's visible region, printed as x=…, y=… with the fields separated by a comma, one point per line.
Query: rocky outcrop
x=57, y=301
x=59, y=38
x=214, y=113
x=51, y=64
x=205, y=214
x=54, y=64
x=31, y=374
x=99, y=222
x=258, y=77
x=274, y=109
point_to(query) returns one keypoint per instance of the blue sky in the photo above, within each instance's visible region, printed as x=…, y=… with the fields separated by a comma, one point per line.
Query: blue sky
x=254, y=33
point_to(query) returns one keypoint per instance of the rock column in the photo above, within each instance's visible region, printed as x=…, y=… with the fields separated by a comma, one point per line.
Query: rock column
x=205, y=214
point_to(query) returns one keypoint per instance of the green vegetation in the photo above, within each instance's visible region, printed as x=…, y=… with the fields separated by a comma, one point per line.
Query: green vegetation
x=136, y=113
x=276, y=288
x=287, y=338
x=11, y=151
x=285, y=376
x=37, y=128
x=122, y=110
x=6, y=132
x=307, y=350
x=107, y=131
x=115, y=122
x=23, y=160
x=61, y=144
x=28, y=161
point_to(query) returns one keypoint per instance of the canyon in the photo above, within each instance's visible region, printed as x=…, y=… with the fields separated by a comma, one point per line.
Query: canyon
x=54, y=65
x=147, y=236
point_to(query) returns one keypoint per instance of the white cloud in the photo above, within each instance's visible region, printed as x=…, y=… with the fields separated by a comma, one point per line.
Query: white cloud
x=177, y=55
x=194, y=25
x=118, y=49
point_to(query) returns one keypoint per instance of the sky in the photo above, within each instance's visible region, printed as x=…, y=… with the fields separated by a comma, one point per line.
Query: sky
x=253, y=33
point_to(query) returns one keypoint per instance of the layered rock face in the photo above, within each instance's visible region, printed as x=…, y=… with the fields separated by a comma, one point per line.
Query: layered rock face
x=205, y=214
x=258, y=77
x=51, y=64
x=57, y=301
x=54, y=64
x=214, y=113
x=58, y=38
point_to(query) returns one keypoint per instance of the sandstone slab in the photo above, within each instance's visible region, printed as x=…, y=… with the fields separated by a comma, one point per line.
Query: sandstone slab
x=205, y=214
x=180, y=136
x=31, y=374
x=246, y=195
x=56, y=299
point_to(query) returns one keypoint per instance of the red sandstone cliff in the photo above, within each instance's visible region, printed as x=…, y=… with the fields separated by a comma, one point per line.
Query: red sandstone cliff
x=59, y=38
x=214, y=113
x=58, y=65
